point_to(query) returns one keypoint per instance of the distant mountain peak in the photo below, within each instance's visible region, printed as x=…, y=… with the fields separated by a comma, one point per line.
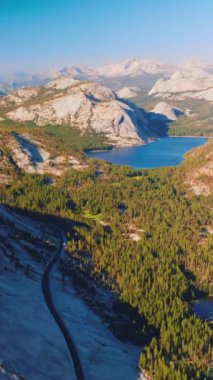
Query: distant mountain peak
x=116, y=75
x=134, y=67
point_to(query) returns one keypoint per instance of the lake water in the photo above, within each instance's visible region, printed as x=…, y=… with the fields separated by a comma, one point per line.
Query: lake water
x=204, y=308
x=168, y=151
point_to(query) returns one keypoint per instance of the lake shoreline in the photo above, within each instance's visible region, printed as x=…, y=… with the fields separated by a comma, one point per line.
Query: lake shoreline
x=167, y=151
x=114, y=147
x=192, y=137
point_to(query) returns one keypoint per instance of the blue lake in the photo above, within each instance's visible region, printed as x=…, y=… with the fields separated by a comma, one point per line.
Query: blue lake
x=168, y=151
x=204, y=308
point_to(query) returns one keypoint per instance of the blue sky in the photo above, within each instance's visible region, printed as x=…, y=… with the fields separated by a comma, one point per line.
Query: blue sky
x=36, y=35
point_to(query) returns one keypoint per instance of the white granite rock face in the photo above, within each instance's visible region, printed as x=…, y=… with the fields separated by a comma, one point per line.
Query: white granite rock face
x=87, y=105
x=192, y=83
x=19, y=96
x=164, y=110
x=128, y=92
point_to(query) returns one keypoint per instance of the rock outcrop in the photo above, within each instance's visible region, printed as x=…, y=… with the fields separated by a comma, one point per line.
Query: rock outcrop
x=187, y=83
x=165, y=112
x=85, y=105
x=30, y=155
x=19, y=96
x=128, y=92
x=198, y=169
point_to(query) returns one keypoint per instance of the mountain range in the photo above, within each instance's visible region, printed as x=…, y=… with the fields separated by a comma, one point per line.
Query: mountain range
x=130, y=72
x=142, y=73
x=78, y=97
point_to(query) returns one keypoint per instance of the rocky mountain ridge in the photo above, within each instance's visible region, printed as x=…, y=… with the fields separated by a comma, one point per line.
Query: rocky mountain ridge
x=82, y=104
x=131, y=68
x=134, y=67
x=131, y=72
x=187, y=83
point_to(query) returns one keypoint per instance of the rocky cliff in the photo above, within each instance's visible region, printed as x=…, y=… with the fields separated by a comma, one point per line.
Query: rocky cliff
x=194, y=83
x=82, y=104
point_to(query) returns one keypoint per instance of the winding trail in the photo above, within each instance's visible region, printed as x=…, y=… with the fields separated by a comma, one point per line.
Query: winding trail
x=46, y=289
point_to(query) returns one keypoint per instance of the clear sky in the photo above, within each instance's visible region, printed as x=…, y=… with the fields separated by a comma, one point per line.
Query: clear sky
x=36, y=35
